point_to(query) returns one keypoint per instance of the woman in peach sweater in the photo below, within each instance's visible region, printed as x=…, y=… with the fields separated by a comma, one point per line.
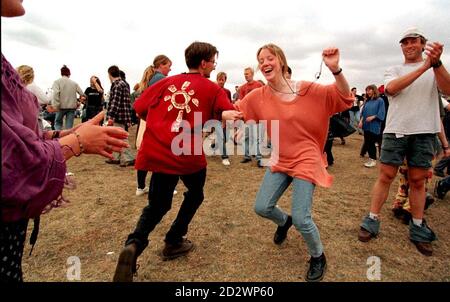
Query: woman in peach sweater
x=297, y=115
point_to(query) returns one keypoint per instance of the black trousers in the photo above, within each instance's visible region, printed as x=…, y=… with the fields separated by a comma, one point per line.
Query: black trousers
x=327, y=149
x=369, y=144
x=160, y=202
x=12, y=241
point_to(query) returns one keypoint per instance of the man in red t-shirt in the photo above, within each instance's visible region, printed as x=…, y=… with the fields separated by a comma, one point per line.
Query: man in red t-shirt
x=175, y=110
x=250, y=130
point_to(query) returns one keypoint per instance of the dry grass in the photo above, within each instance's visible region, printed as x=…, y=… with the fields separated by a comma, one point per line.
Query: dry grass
x=232, y=242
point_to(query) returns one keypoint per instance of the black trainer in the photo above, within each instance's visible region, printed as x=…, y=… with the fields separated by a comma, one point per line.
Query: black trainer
x=439, y=173
x=317, y=268
x=281, y=232
x=260, y=164
x=439, y=192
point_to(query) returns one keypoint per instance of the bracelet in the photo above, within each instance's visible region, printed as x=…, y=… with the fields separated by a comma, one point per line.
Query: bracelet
x=79, y=143
x=445, y=148
x=71, y=150
x=437, y=64
x=337, y=72
x=56, y=134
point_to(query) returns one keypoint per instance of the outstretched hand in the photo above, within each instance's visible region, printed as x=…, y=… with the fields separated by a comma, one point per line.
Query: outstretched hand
x=101, y=140
x=330, y=57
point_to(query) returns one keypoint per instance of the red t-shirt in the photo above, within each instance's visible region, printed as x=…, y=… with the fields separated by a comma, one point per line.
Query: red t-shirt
x=247, y=87
x=172, y=141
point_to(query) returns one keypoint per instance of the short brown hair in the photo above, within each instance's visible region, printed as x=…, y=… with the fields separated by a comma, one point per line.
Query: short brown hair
x=221, y=74
x=198, y=51
x=114, y=71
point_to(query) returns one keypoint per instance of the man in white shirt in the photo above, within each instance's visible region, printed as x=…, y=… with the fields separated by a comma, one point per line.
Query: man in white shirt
x=412, y=124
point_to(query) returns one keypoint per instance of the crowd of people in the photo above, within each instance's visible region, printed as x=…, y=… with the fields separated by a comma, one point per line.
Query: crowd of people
x=168, y=111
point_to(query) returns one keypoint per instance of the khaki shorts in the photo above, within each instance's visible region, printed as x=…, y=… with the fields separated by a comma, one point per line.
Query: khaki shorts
x=418, y=149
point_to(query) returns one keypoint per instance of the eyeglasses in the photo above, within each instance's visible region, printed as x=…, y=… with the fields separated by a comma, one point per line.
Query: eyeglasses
x=214, y=62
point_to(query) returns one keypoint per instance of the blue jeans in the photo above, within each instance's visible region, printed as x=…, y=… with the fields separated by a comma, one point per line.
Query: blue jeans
x=70, y=116
x=251, y=141
x=222, y=136
x=354, y=120
x=273, y=186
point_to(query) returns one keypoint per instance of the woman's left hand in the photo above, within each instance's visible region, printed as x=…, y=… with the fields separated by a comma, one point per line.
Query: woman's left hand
x=330, y=57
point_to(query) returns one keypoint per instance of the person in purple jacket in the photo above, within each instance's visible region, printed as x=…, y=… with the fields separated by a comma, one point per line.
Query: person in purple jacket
x=34, y=162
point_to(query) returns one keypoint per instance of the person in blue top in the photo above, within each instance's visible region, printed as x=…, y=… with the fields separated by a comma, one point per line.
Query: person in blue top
x=372, y=115
x=157, y=71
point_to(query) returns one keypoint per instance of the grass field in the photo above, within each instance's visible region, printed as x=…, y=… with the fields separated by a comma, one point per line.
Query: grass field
x=232, y=242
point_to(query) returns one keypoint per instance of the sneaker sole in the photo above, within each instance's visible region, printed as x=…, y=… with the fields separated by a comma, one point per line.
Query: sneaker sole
x=174, y=256
x=422, y=251
x=123, y=271
x=320, y=278
x=366, y=238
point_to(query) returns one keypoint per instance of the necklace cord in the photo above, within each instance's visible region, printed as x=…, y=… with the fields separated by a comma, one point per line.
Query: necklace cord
x=317, y=76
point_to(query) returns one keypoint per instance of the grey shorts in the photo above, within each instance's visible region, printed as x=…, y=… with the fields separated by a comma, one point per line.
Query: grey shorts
x=418, y=149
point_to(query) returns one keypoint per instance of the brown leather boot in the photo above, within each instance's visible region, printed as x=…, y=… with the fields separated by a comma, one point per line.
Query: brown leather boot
x=172, y=251
x=364, y=235
x=126, y=266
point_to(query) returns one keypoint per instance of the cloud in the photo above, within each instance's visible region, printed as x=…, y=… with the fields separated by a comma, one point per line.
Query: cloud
x=92, y=35
x=32, y=37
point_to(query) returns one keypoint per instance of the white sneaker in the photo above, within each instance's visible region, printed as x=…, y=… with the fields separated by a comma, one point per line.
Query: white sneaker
x=225, y=162
x=371, y=163
x=175, y=192
x=140, y=192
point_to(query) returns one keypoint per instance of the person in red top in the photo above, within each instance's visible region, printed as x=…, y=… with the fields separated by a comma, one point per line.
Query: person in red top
x=175, y=109
x=222, y=135
x=297, y=143
x=251, y=131
x=251, y=83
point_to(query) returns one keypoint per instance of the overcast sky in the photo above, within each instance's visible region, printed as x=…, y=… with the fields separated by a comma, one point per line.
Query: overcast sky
x=91, y=35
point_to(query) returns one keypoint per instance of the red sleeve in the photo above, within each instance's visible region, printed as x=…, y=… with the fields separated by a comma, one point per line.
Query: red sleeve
x=222, y=103
x=245, y=106
x=228, y=94
x=149, y=98
x=241, y=92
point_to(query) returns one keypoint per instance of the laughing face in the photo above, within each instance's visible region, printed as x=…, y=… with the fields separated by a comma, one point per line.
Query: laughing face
x=269, y=65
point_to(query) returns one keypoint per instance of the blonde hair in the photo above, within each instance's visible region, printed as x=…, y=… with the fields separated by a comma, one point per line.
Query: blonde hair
x=276, y=51
x=149, y=72
x=26, y=74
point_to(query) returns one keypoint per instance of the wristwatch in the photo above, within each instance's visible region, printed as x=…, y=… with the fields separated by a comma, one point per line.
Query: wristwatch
x=437, y=64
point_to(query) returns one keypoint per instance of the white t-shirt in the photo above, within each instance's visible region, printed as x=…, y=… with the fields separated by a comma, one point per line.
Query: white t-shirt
x=415, y=109
x=41, y=96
